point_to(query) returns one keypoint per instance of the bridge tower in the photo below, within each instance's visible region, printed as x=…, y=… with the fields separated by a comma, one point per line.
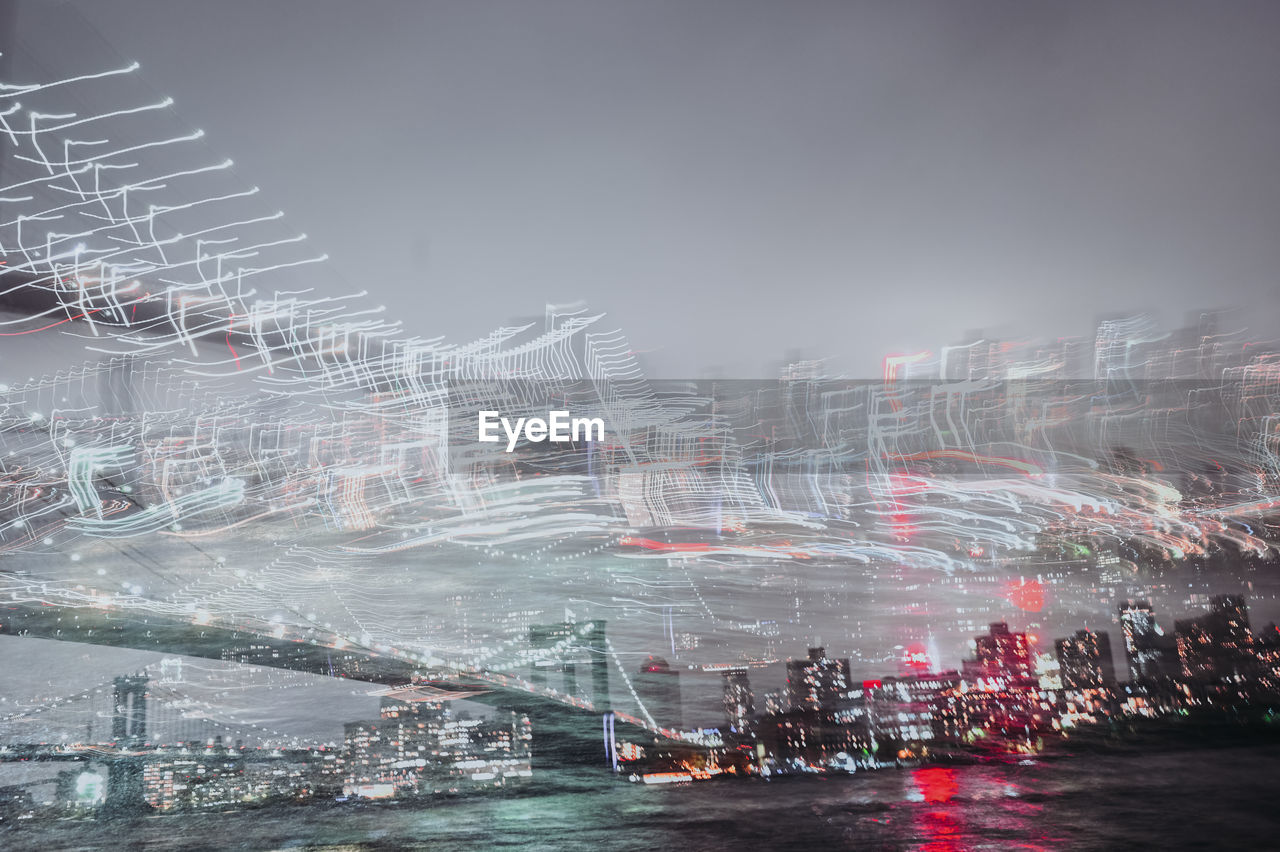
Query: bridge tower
x=563, y=736
x=125, y=790
x=129, y=718
x=576, y=643
x=593, y=637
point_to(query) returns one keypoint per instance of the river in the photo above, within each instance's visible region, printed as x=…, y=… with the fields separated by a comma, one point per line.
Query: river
x=1192, y=798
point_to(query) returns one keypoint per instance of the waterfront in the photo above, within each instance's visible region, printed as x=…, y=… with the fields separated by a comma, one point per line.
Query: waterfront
x=1193, y=798
x=910, y=514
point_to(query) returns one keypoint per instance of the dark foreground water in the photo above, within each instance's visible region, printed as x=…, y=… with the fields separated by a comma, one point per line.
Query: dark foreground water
x=1225, y=798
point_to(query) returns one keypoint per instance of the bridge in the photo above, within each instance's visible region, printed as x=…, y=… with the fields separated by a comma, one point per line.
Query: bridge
x=201, y=266
x=150, y=724
x=568, y=730
x=124, y=754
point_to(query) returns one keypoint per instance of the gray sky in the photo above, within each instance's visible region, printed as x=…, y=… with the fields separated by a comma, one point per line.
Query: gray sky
x=732, y=179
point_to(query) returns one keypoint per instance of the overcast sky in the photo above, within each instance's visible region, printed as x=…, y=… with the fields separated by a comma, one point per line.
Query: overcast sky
x=733, y=179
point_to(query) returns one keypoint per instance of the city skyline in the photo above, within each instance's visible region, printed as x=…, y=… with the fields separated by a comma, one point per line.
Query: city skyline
x=1007, y=695
x=930, y=393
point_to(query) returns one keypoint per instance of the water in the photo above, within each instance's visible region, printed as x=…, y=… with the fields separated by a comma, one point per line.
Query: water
x=1201, y=798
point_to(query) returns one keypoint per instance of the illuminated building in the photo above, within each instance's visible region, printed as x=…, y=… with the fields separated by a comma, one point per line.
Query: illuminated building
x=807, y=737
x=129, y=729
x=1004, y=656
x=397, y=753
x=1218, y=645
x=998, y=699
x=17, y=804
x=906, y=709
x=1145, y=645
x=1084, y=660
x=420, y=748
x=818, y=682
x=195, y=777
x=209, y=776
x=1266, y=647
x=1118, y=353
x=739, y=704
x=129, y=722
x=485, y=753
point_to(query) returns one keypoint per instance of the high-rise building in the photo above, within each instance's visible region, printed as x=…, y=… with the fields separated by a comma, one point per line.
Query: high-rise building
x=658, y=687
x=907, y=708
x=419, y=748
x=129, y=721
x=1232, y=614
x=739, y=705
x=1003, y=655
x=1084, y=660
x=1266, y=647
x=397, y=753
x=1217, y=645
x=211, y=777
x=999, y=696
x=817, y=683
x=1145, y=645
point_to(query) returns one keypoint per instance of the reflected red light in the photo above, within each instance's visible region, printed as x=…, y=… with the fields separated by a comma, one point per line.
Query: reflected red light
x=937, y=784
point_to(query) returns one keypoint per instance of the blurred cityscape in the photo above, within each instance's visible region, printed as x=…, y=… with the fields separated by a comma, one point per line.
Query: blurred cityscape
x=253, y=553
x=1014, y=695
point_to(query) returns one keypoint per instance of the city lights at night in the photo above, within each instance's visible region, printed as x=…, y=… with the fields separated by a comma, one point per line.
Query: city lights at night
x=646, y=426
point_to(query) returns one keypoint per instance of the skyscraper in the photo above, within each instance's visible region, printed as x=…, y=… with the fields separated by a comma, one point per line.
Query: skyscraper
x=129, y=721
x=417, y=748
x=738, y=701
x=1145, y=645
x=817, y=683
x=1003, y=655
x=1085, y=660
x=1217, y=645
